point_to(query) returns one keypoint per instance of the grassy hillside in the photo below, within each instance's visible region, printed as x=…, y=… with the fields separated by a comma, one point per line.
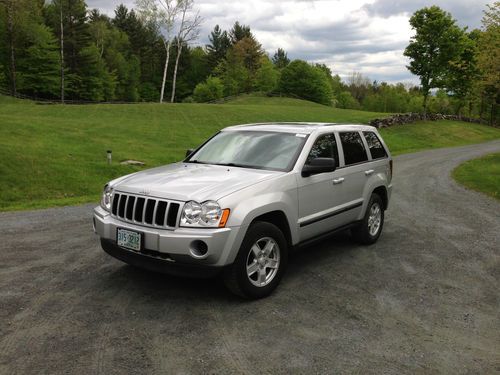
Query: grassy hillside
x=56, y=155
x=482, y=174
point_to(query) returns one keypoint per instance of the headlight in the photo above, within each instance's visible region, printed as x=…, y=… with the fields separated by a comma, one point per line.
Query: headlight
x=106, y=198
x=191, y=213
x=206, y=214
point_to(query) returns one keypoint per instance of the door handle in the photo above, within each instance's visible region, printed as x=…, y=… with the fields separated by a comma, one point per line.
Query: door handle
x=369, y=172
x=338, y=180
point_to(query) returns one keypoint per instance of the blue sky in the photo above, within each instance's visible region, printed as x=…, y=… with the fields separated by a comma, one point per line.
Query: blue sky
x=367, y=36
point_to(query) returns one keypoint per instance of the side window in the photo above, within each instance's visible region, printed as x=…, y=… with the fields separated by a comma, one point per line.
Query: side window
x=354, y=149
x=375, y=146
x=324, y=147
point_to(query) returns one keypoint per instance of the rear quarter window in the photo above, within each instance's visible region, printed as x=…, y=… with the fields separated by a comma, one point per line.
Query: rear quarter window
x=354, y=148
x=376, y=148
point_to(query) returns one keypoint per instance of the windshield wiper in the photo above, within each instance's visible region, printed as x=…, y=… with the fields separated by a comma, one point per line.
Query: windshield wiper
x=234, y=165
x=196, y=162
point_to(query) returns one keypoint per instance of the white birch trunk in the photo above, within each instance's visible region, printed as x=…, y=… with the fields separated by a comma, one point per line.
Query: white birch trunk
x=167, y=46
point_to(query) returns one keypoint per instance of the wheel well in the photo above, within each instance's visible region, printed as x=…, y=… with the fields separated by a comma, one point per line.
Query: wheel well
x=381, y=191
x=279, y=219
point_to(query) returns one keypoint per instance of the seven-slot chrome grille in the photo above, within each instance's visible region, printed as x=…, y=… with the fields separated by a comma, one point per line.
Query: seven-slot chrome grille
x=151, y=212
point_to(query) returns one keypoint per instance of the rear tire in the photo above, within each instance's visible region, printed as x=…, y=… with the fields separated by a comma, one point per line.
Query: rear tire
x=260, y=263
x=368, y=231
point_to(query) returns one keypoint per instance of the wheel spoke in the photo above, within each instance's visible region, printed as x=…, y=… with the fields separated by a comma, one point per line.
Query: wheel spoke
x=272, y=263
x=256, y=250
x=262, y=276
x=268, y=248
x=252, y=268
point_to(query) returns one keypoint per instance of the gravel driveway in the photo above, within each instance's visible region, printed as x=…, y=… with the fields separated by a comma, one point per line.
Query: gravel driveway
x=424, y=299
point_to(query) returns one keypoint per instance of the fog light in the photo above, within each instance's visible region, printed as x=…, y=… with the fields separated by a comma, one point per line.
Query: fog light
x=198, y=249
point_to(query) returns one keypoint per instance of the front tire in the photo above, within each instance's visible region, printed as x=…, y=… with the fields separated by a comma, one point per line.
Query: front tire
x=369, y=229
x=260, y=263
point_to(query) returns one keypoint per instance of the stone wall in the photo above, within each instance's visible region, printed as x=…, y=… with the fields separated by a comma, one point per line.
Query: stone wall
x=407, y=118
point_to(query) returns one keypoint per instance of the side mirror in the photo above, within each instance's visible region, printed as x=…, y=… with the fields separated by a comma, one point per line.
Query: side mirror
x=319, y=165
x=189, y=151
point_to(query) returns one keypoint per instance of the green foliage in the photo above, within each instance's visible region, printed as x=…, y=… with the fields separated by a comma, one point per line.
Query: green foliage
x=280, y=59
x=39, y=68
x=489, y=61
x=345, y=100
x=211, y=89
x=266, y=77
x=97, y=83
x=239, y=32
x=305, y=81
x=218, y=47
x=437, y=42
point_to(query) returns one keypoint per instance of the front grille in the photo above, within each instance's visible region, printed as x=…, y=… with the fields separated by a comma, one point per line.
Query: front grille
x=145, y=211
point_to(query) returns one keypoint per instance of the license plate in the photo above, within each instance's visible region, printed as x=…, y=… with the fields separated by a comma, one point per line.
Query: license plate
x=128, y=239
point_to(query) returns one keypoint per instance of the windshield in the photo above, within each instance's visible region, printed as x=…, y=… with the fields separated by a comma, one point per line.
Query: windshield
x=251, y=149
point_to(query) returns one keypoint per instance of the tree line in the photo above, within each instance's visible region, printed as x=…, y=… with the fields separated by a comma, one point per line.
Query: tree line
x=60, y=50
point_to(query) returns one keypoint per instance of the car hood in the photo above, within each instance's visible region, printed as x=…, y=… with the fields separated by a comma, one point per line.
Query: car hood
x=187, y=181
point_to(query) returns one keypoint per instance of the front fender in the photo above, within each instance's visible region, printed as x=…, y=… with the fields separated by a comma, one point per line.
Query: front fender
x=267, y=196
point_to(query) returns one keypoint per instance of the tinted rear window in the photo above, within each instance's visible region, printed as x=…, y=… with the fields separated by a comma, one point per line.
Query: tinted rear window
x=375, y=146
x=354, y=149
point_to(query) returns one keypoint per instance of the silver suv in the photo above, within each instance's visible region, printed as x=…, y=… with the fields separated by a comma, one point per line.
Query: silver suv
x=243, y=199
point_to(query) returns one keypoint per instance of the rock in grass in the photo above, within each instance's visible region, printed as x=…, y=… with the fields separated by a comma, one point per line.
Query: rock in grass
x=132, y=162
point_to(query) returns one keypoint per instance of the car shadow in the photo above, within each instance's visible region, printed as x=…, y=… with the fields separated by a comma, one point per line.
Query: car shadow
x=163, y=287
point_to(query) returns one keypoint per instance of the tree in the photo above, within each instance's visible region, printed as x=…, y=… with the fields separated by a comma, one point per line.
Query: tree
x=250, y=52
x=280, y=59
x=359, y=85
x=463, y=71
x=218, y=47
x=234, y=75
x=39, y=67
x=211, y=89
x=160, y=15
x=238, y=32
x=266, y=77
x=436, y=42
x=347, y=101
x=488, y=58
x=306, y=81
x=74, y=36
x=19, y=15
x=189, y=30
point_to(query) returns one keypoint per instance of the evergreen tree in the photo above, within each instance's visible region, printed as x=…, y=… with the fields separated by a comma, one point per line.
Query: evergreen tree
x=239, y=32
x=39, y=67
x=280, y=59
x=218, y=47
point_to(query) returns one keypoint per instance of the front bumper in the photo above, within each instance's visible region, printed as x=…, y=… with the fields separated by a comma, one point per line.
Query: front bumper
x=158, y=264
x=170, y=247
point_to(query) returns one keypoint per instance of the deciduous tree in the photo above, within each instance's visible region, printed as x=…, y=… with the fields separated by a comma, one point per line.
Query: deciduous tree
x=436, y=42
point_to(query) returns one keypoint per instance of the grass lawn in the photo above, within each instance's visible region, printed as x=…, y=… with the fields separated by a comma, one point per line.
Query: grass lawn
x=56, y=155
x=481, y=174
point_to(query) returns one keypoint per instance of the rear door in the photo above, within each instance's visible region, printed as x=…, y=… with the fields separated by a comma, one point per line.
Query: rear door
x=379, y=156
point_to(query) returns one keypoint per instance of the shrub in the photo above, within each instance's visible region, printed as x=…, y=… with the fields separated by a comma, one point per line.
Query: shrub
x=306, y=81
x=211, y=89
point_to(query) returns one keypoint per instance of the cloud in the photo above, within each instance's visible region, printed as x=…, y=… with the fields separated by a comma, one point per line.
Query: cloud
x=348, y=35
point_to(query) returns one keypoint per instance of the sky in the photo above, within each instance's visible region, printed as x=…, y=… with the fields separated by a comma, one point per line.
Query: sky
x=366, y=36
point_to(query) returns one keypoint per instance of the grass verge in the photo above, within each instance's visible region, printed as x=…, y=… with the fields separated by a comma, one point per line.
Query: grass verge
x=482, y=174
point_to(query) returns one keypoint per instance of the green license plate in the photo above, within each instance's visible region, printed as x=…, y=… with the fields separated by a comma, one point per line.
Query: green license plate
x=128, y=239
